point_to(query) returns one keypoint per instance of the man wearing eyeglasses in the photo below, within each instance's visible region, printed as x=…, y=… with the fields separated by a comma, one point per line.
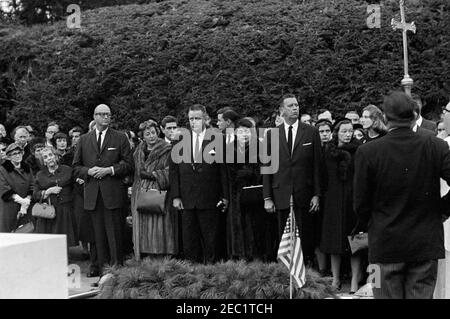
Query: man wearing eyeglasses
x=21, y=136
x=445, y=110
x=102, y=159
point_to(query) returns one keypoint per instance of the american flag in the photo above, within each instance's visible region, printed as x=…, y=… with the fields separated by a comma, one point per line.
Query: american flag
x=298, y=271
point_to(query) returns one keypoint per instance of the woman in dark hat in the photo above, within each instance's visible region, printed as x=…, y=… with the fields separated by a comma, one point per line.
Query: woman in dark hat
x=251, y=232
x=60, y=142
x=15, y=189
x=338, y=216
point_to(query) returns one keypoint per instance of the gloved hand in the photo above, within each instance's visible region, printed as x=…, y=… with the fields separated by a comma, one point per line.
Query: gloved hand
x=26, y=202
x=22, y=211
x=358, y=229
x=18, y=199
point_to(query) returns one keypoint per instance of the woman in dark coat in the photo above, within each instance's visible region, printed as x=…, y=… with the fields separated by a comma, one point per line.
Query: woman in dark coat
x=251, y=234
x=61, y=144
x=338, y=216
x=153, y=234
x=55, y=182
x=16, y=183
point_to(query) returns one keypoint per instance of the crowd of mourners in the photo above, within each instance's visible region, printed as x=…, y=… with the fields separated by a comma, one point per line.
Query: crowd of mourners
x=94, y=178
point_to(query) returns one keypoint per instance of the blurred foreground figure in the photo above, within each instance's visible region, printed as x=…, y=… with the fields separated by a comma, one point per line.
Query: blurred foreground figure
x=396, y=188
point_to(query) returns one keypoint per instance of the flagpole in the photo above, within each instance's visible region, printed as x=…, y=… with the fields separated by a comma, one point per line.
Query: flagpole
x=291, y=213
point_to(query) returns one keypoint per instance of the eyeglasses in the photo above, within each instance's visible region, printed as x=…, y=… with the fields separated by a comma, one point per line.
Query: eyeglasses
x=52, y=132
x=445, y=110
x=103, y=114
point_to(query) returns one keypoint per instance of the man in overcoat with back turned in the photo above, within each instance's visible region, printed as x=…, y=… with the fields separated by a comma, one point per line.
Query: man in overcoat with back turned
x=397, y=197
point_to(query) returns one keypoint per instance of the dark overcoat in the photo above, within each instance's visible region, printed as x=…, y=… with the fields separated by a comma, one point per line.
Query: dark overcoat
x=13, y=181
x=397, y=195
x=339, y=218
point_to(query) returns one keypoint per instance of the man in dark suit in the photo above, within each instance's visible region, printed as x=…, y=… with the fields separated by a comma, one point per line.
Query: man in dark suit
x=102, y=159
x=200, y=190
x=420, y=121
x=299, y=174
x=397, y=196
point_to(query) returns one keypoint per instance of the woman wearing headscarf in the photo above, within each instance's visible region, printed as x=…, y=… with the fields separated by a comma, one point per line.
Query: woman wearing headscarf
x=153, y=234
x=16, y=182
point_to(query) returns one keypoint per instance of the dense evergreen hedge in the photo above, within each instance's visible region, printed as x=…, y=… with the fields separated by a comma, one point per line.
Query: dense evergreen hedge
x=159, y=58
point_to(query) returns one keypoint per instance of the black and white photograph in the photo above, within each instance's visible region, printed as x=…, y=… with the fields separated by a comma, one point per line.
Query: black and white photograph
x=225, y=154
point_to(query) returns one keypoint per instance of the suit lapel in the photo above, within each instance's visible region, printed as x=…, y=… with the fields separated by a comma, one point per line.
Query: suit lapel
x=93, y=139
x=298, y=137
x=106, y=139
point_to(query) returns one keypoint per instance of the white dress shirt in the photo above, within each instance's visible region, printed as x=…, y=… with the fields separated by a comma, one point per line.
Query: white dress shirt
x=294, y=132
x=201, y=136
x=418, y=123
x=103, y=135
x=97, y=132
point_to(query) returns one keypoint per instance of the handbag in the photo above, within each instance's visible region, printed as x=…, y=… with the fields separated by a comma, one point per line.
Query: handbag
x=26, y=228
x=43, y=210
x=359, y=242
x=151, y=201
x=252, y=196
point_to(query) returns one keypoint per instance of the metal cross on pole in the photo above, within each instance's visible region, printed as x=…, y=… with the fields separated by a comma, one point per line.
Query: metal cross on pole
x=407, y=81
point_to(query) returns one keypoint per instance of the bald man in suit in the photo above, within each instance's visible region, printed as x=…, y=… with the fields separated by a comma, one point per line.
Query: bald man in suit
x=102, y=159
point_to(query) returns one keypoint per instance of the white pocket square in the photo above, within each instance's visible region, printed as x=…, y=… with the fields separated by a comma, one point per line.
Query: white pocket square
x=212, y=152
x=111, y=148
x=306, y=144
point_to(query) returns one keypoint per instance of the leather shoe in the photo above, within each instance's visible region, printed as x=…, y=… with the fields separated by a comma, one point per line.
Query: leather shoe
x=93, y=273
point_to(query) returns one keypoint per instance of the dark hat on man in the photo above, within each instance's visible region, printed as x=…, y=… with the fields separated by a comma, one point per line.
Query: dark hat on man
x=12, y=147
x=399, y=107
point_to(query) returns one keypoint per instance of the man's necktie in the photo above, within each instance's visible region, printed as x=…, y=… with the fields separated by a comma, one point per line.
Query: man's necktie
x=99, y=141
x=197, y=149
x=290, y=140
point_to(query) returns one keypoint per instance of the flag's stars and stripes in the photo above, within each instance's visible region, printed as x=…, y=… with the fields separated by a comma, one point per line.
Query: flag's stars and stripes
x=297, y=268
